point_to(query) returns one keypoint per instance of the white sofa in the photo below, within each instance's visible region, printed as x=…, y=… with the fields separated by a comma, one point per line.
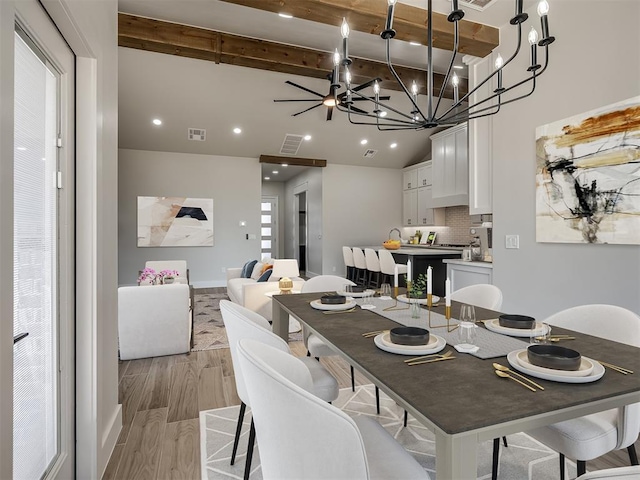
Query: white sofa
x=153, y=321
x=252, y=294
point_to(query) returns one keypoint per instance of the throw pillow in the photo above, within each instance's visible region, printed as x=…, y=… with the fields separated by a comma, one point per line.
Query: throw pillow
x=247, y=270
x=257, y=271
x=265, y=276
x=265, y=268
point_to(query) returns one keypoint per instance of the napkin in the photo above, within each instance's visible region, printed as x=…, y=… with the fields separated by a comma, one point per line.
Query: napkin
x=466, y=349
x=367, y=307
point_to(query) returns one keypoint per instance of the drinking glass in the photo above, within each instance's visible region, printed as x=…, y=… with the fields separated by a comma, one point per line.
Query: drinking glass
x=348, y=290
x=367, y=299
x=385, y=291
x=540, y=334
x=467, y=327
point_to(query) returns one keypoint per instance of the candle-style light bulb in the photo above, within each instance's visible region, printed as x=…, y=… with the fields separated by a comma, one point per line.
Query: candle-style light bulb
x=344, y=29
x=499, y=62
x=391, y=2
x=533, y=36
x=455, y=81
x=336, y=68
x=376, y=87
x=533, y=41
x=347, y=76
x=336, y=58
x=543, y=8
x=414, y=89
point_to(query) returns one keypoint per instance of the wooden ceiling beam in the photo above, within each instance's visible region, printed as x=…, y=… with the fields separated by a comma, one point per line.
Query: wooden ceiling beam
x=369, y=16
x=297, y=161
x=186, y=41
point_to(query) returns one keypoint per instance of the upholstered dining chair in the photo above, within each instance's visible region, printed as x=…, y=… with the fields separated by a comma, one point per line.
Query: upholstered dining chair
x=241, y=323
x=591, y=436
x=373, y=267
x=388, y=265
x=347, y=255
x=482, y=295
x=620, y=473
x=360, y=262
x=302, y=437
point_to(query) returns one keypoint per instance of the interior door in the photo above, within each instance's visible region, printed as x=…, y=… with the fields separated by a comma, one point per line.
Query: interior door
x=43, y=315
x=269, y=227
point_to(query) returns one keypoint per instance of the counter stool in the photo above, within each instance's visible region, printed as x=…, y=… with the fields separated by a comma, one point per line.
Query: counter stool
x=373, y=267
x=361, y=266
x=347, y=254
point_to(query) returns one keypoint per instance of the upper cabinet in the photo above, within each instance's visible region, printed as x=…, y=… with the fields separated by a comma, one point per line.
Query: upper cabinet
x=425, y=175
x=480, y=132
x=450, y=167
x=409, y=179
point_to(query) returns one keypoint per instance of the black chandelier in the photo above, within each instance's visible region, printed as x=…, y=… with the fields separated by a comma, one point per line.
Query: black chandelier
x=386, y=117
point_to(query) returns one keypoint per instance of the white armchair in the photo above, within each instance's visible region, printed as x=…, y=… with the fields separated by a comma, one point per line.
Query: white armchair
x=153, y=321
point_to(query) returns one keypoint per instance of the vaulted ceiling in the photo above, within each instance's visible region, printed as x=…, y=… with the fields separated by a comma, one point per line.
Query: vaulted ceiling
x=217, y=65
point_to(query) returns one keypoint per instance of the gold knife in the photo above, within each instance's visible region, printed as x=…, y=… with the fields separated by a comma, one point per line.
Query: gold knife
x=431, y=361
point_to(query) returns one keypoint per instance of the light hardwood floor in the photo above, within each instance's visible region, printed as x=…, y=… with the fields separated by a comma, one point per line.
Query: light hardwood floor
x=161, y=398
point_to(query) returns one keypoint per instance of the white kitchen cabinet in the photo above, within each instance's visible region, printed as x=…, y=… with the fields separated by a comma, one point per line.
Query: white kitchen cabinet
x=427, y=215
x=480, y=135
x=463, y=274
x=410, y=207
x=450, y=169
x=410, y=179
x=425, y=176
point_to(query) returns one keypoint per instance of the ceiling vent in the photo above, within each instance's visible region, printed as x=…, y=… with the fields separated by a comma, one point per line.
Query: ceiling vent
x=291, y=144
x=197, y=134
x=369, y=153
x=480, y=5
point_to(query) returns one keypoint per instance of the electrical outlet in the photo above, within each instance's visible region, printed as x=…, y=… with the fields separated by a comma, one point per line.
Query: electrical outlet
x=512, y=241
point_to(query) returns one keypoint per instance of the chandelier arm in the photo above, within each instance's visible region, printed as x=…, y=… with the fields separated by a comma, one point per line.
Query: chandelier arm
x=385, y=105
x=377, y=123
x=451, y=63
x=397, y=77
x=369, y=115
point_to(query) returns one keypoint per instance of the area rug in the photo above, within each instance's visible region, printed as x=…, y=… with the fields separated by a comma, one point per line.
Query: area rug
x=524, y=459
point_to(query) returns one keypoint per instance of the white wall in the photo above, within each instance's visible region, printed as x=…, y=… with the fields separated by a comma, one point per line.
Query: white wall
x=360, y=206
x=595, y=61
x=276, y=189
x=234, y=185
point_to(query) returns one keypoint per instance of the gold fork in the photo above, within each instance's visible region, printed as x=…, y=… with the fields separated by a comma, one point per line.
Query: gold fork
x=415, y=359
x=622, y=370
x=333, y=312
x=374, y=333
x=439, y=359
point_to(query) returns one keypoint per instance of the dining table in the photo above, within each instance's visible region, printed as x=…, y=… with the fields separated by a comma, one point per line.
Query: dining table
x=462, y=401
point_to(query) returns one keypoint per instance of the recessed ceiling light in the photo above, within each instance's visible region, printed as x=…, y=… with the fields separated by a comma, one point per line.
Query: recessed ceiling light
x=363, y=141
x=285, y=165
x=267, y=178
x=415, y=44
x=459, y=67
x=285, y=15
x=307, y=137
x=383, y=113
x=21, y=149
x=157, y=121
x=393, y=145
x=275, y=172
x=237, y=130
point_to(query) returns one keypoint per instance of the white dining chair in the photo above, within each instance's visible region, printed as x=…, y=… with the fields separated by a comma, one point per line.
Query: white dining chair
x=302, y=437
x=241, y=323
x=591, y=436
x=347, y=255
x=373, y=267
x=482, y=295
x=360, y=263
x=388, y=265
x=620, y=473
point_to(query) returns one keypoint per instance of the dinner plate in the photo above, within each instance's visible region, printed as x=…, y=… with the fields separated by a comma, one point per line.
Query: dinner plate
x=318, y=305
x=356, y=294
x=586, y=367
x=494, y=326
x=557, y=375
x=422, y=301
x=388, y=346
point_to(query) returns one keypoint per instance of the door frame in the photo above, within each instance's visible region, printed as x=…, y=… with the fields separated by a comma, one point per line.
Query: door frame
x=303, y=188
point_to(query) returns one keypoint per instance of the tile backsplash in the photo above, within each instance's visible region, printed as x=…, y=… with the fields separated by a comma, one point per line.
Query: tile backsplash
x=456, y=228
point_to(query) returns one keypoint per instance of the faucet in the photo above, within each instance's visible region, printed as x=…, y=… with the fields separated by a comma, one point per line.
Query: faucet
x=397, y=230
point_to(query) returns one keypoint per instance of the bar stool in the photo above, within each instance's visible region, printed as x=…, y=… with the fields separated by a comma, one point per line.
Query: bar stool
x=361, y=266
x=388, y=265
x=373, y=267
x=347, y=254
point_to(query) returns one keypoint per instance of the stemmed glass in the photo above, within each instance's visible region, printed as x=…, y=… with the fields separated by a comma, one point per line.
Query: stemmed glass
x=467, y=329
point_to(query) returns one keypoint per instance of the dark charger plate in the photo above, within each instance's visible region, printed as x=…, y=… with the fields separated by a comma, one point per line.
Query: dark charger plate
x=516, y=321
x=409, y=336
x=333, y=299
x=554, y=356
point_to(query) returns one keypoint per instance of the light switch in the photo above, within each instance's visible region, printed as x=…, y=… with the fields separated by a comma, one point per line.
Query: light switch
x=512, y=241
x=251, y=236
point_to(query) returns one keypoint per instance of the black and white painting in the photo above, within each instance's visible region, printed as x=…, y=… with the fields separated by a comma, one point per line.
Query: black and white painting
x=588, y=177
x=175, y=222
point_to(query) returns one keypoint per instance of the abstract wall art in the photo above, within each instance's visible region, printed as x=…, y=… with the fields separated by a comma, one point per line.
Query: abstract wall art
x=175, y=222
x=588, y=177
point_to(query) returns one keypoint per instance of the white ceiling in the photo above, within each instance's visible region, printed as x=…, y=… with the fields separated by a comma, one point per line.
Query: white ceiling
x=187, y=93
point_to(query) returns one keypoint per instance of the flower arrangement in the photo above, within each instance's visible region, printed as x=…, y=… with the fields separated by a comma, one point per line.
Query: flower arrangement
x=148, y=275
x=164, y=275
x=418, y=286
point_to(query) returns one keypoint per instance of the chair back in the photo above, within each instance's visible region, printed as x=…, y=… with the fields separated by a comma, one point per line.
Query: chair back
x=371, y=259
x=240, y=322
x=482, y=295
x=179, y=266
x=387, y=262
x=325, y=283
x=612, y=323
x=300, y=436
x=347, y=254
x=359, y=259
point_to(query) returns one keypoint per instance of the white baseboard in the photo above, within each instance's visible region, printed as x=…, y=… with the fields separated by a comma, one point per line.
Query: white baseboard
x=109, y=439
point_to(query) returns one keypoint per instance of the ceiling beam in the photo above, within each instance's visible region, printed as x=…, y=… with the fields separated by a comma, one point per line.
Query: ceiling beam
x=187, y=41
x=369, y=16
x=297, y=161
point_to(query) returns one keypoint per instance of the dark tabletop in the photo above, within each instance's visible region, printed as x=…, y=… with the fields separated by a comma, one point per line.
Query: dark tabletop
x=465, y=393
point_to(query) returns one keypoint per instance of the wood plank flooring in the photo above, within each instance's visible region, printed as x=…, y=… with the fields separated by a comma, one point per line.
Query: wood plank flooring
x=161, y=400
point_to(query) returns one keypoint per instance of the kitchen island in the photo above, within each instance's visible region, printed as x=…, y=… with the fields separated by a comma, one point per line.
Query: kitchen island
x=421, y=257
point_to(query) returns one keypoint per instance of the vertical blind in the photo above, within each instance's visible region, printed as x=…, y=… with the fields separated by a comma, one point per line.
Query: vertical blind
x=35, y=436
